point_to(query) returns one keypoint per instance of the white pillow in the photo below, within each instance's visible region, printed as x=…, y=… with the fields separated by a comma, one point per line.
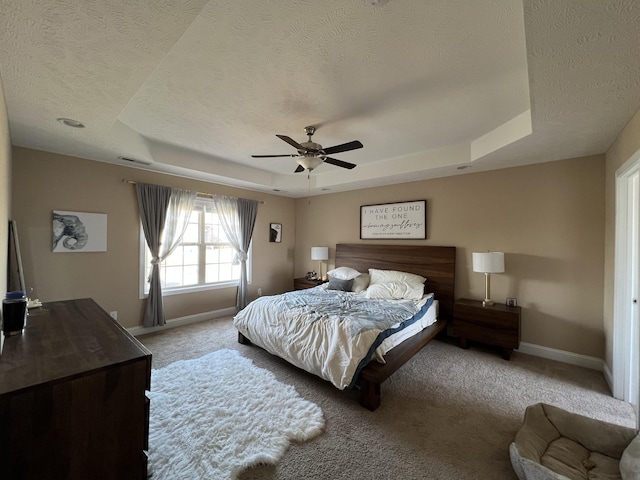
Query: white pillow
x=360, y=283
x=396, y=291
x=343, y=273
x=385, y=276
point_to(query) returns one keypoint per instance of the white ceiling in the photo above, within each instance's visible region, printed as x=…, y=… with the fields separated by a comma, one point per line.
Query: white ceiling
x=195, y=87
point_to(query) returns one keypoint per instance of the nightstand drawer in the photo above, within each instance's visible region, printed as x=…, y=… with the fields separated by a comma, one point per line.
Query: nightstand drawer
x=506, y=338
x=482, y=316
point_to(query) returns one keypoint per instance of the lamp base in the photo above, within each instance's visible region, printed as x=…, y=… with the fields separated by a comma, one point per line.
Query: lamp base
x=487, y=288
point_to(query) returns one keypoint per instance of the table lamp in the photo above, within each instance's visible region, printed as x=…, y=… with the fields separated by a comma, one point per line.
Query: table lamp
x=320, y=254
x=488, y=263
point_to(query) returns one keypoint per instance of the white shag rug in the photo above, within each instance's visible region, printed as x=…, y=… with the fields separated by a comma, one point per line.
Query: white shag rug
x=214, y=416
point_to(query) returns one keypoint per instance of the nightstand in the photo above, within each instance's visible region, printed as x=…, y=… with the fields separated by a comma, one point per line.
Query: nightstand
x=302, y=283
x=495, y=324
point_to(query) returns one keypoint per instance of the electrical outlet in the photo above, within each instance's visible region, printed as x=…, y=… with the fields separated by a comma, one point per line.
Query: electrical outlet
x=512, y=302
x=114, y=314
x=259, y=292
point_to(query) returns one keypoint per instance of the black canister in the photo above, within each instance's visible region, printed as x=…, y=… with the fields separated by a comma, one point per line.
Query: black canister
x=14, y=313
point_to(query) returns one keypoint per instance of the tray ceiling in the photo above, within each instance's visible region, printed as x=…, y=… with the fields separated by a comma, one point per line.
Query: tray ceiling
x=195, y=88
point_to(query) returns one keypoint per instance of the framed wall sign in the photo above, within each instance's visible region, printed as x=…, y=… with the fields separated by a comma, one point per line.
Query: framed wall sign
x=403, y=220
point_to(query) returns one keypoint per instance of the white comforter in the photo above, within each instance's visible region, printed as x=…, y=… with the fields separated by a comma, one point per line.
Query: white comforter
x=329, y=333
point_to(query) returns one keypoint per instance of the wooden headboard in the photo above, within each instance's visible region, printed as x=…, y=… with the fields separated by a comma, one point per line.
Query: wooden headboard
x=437, y=264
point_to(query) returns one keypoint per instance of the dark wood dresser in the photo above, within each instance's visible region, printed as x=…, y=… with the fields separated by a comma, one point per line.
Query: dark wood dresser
x=72, y=397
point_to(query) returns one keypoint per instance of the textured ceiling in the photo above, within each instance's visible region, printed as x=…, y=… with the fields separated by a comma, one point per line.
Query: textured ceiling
x=195, y=88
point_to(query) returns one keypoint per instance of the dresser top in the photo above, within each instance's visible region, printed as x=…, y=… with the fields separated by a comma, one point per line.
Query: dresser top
x=65, y=339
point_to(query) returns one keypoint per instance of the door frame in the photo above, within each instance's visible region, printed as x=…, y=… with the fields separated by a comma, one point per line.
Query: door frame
x=625, y=333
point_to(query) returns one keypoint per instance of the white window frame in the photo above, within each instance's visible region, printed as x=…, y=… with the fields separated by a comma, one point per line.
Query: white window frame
x=143, y=280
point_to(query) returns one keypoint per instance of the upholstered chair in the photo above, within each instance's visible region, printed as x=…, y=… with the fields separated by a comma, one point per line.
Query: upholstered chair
x=553, y=444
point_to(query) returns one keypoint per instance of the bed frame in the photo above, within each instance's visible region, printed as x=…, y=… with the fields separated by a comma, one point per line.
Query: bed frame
x=437, y=264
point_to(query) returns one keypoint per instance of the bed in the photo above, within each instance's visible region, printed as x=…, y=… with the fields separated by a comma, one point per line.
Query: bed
x=436, y=264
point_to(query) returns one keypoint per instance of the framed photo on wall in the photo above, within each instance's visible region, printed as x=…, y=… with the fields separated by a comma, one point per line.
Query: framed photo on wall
x=398, y=221
x=275, y=232
x=79, y=232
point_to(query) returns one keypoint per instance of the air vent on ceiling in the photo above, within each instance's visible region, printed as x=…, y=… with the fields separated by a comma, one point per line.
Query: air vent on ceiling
x=133, y=160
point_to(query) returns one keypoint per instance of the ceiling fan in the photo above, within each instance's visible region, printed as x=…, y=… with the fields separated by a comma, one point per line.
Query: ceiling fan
x=310, y=154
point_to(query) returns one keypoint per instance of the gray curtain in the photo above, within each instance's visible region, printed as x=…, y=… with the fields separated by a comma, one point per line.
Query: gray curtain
x=238, y=218
x=164, y=213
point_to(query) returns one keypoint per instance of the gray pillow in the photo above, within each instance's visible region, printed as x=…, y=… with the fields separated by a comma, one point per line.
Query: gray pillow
x=339, y=284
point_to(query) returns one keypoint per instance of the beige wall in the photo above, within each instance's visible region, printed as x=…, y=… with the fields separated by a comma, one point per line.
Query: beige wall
x=625, y=146
x=43, y=182
x=547, y=218
x=5, y=186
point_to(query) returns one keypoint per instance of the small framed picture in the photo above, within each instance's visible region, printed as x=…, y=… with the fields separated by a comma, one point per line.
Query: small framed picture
x=512, y=302
x=275, y=232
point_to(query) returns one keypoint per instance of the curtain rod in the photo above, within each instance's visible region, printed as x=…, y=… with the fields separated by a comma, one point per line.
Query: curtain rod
x=198, y=194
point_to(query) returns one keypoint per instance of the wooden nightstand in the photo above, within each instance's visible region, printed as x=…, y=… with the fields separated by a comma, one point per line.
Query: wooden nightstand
x=302, y=283
x=496, y=324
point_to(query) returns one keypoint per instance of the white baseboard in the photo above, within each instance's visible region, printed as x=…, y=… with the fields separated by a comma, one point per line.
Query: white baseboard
x=608, y=376
x=562, y=356
x=178, y=322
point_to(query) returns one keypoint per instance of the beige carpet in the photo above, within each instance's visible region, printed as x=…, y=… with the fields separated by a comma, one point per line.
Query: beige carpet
x=447, y=414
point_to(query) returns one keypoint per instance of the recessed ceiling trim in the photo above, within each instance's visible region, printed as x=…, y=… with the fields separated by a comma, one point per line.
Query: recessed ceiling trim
x=133, y=160
x=515, y=129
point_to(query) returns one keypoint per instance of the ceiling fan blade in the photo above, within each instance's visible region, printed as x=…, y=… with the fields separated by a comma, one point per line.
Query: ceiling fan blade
x=299, y=169
x=270, y=156
x=291, y=142
x=339, y=163
x=345, y=147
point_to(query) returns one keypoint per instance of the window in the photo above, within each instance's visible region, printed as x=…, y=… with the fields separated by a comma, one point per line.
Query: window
x=203, y=260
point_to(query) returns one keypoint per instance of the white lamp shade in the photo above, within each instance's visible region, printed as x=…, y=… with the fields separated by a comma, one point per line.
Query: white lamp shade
x=488, y=262
x=319, y=253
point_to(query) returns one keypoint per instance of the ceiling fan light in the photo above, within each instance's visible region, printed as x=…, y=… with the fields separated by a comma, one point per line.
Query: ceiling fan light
x=309, y=163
